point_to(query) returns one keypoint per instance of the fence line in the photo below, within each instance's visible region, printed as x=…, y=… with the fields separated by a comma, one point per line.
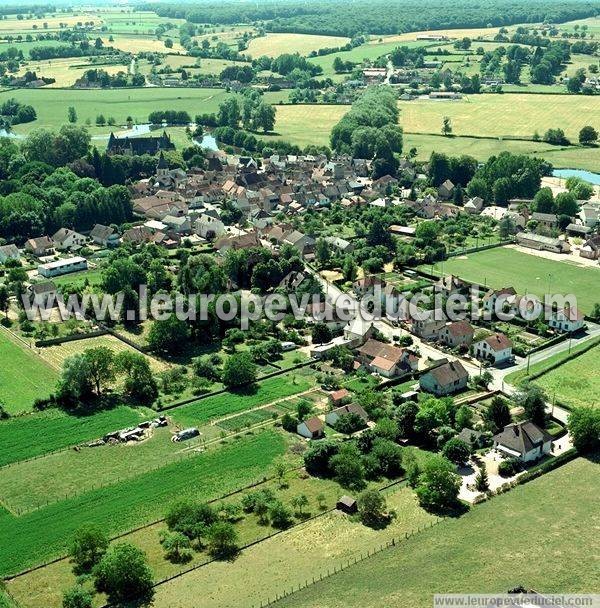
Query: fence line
x=344, y=565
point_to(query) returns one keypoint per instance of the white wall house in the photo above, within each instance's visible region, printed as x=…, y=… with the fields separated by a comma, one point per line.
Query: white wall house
x=496, y=348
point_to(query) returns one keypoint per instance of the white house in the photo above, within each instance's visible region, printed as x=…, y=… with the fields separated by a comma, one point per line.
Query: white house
x=66, y=238
x=311, y=428
x=523, y=440
x=496, y=348
x=566, y=319
x=208, y=226
x=60, y=267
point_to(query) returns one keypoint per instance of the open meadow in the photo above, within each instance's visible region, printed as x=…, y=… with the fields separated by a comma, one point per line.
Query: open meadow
x=488, y=550
x=273, y=45
x=290, y=558
x=515, y=115
x=505, y=266
x=576, y=382
x=24, y=375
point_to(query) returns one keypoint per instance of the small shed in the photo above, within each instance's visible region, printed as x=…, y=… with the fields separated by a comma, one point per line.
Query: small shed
x=347, y=504
x=312, y=428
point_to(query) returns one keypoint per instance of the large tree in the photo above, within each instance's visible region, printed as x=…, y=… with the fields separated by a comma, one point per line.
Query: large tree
x=123, y=574
x=239, y=370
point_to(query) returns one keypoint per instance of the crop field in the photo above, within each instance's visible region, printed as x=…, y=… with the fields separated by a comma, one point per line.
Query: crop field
x=288, y=559
x=23, y=26
x=36, y=434
x=66, y=71
x=501, y=115
x=25, y=486
x=462, y=554
x=307, y=124
x=25, y=46
x=56, y=355
x=45, y=533
x=505, y=266
x=138, y=44
x=273, y=45
x=575, y=383
x=24, y=376
x=265, y=392
x=43, y=587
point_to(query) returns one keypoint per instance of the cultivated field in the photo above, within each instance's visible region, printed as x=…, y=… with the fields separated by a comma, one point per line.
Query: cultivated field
x=56, y=355
x=45, y=533
x=29, y=436
x=24, y=376
x=273, y=45
x=289, y=559
x=502, y=115
x=505, y=266
x=462, y=555
x=307, y=124
x=576, y=382
x=139, y=44
x=66, y=71
x=265, y=392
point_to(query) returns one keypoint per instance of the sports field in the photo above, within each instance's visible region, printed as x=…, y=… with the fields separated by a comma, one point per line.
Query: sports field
x=502, y=115
x=273, y=45
x=531, y=536
x=576, y=382
x=24, y=376
x=505, y=266
x=45, y=533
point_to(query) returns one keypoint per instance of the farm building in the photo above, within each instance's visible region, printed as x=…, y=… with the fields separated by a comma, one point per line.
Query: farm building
x=60, y=267
x=312, y=428
x=347, y=504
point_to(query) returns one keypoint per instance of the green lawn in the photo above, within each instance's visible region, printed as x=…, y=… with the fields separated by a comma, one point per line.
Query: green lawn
x=542, y=535
x=24, y=376
x=265, y=392
x=45, y=533
x=504, y=266
x=32, y=435
x=576, y=382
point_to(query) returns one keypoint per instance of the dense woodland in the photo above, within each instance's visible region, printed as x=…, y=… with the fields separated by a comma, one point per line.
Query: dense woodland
x=349, y=18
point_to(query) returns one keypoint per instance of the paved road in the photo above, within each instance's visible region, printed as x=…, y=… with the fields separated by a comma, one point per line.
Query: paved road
x=428, y=350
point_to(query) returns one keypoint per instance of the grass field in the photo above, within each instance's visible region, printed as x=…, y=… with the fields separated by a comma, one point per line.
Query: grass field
x=24, y=376
x=273, y=45
x=45, y=533
x=527, y=537
x=36, y=434
x=56, y=355
x=505, y=266
x=576, y=382
x=307, y=124
x=502, y=115
x=288, y=559
x=266, y=391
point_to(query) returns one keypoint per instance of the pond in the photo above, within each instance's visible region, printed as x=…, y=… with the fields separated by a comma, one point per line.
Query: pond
x=588, y=176
x=208, y=142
